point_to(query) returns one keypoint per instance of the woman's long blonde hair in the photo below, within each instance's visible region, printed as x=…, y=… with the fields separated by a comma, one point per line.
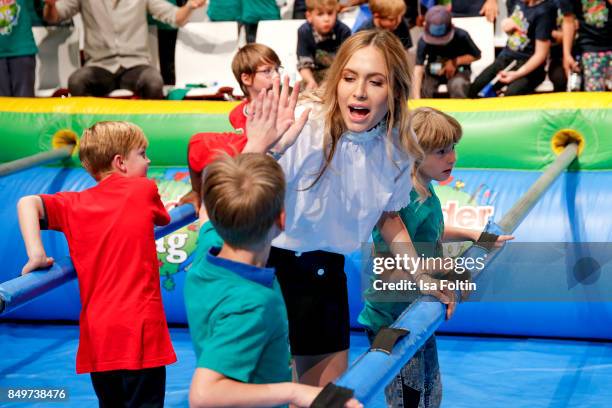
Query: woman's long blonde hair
x=398, y=81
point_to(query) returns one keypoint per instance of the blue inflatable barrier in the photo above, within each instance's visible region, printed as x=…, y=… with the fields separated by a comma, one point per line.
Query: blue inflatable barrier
x=468, y=200
x=17, y=292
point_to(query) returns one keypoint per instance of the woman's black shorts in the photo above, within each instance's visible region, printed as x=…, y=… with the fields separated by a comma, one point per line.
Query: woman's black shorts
x=315, y=292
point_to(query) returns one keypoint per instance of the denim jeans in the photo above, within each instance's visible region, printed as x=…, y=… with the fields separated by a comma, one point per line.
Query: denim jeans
x=418, y=384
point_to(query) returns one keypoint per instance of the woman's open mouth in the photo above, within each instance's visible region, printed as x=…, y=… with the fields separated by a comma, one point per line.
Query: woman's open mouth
x=358, y=113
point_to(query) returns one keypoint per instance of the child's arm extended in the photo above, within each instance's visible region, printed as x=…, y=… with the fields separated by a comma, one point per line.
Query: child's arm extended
x=30, y=211
x=211, y=389
x=542, y=47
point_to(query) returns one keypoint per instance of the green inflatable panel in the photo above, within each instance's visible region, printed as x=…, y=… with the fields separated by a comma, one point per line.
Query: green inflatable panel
x=499, y=133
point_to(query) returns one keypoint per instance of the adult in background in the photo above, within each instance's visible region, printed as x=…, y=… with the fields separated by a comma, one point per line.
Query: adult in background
x=17, y=50
x=116, y=43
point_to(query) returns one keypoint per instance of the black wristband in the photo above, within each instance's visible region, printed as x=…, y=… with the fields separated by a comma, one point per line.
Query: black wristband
x=332, y=396
x=486, y=240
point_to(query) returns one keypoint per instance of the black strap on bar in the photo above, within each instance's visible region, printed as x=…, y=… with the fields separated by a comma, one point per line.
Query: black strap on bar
x=486, y=240
x=332, y=396
x=386, y=339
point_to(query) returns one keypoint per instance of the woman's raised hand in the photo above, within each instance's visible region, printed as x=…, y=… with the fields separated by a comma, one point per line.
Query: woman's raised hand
x=271, y=123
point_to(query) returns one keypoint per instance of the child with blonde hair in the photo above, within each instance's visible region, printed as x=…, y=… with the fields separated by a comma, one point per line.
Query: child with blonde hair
x=389, y=15
x=124, y=340
x=418, y=383
x=349, y=170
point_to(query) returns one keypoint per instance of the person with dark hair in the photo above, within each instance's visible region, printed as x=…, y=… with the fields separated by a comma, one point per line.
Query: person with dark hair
x=255, y=67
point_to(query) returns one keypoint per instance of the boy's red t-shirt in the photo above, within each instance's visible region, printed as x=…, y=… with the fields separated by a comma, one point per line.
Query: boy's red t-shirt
x=237, y=116
x=205, y=147
x=109, y=229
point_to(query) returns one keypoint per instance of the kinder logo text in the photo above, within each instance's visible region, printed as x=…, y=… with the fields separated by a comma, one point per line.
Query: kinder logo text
x=173, y=245
x=466, y=216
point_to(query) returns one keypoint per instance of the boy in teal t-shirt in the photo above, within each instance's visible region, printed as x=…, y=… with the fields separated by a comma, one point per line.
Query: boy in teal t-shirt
x=418, y=383
x=237, y=316
x=17, y=50
x=236, y=313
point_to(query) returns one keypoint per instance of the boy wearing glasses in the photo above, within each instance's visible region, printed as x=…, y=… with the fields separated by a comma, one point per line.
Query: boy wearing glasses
x=255, y=66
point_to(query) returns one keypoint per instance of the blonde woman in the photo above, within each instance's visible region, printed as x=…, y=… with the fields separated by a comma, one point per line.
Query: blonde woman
x=348, y=171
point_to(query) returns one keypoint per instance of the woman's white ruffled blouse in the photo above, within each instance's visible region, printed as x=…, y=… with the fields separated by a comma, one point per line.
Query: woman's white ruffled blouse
x=368, y=175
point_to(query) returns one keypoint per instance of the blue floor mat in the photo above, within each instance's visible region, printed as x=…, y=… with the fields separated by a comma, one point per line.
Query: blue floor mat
x=491, y=372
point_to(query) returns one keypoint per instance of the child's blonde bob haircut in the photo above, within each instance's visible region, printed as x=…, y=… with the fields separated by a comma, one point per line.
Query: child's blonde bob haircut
x=244, y=196
x=324, y=5
x=249, y=58
x=398, y=80
x=104, y=140
x=388, y=8
x=434, y=130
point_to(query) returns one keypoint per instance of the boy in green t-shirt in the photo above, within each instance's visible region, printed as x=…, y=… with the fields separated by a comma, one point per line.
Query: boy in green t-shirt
x=437, y=133
x=235, y=309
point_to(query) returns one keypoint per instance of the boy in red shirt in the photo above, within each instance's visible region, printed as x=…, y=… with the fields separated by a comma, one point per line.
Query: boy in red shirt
x=124, y=339
x=255, y=66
